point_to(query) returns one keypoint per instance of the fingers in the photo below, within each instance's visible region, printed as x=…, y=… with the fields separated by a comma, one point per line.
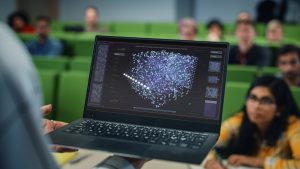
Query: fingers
x=236, y=160
x=48, y=126
x=59, y=124
x=46, y=109
x=51, y=125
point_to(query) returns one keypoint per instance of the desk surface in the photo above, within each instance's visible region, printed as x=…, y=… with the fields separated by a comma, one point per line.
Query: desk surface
x=95, y=157
x=92, y=158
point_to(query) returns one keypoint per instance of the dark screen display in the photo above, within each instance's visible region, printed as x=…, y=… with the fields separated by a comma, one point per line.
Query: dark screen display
x=157, y=80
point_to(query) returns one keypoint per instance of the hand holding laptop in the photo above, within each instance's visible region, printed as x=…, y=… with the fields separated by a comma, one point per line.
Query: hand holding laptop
x=50, y=125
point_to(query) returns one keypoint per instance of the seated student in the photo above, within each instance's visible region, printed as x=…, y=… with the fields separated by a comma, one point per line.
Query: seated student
x=22, y=143
x=19, y=22
x=246, y=52
x=187, y=29
x=92, y=20
x=44, y=45
x=243, y=16
x=274, y=32
x=215, y=30
x=265, y=134
x=288, y=62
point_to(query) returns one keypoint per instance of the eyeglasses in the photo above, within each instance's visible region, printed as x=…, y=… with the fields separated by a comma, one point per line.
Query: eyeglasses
x=266, y=101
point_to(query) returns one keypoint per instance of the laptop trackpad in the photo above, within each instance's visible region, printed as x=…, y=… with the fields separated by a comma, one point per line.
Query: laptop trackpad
x=116, y=146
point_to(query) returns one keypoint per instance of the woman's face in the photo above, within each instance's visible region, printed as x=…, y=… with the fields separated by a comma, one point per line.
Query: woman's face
x=261, y=106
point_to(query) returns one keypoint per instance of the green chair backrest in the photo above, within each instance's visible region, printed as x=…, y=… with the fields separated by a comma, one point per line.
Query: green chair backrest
x=236, y=73
x=235, y=93
x=130, y=27
x=270, y=71
x=72, y=88
x=48, y=79
x=83, y=46
x=296, y=94
x=80, y=64
x=59, y=63
x=292, y=31
x=163, y=28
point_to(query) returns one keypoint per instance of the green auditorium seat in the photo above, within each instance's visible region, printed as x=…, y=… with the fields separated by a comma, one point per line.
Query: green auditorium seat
x=229, y=29
x=83, y=46
x=270, y=71
x=202, y=31
x=163, y=28
x=234, y=98
x=58, y=63
x=296, y=94
x=237, y=73
x=72, y=88
x=260, y=29
x=292, y=31
x=27, y=37
x=121, y=27
x=48, y=79
x=80, y=64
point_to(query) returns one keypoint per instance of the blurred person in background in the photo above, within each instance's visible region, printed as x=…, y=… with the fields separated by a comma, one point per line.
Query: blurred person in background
x=92, y=20
x=246, y=52
x=288, y=62
x=274, y=32
x=243, y=16
x=215, y=30
x=265, y=133
x=44, y=45
x=187, y=29
x=19, y=22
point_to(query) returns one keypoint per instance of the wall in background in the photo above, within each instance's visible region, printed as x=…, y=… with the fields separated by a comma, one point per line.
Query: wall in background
x=225, y=11
x=7, y=6
x=117, y=10
x=141, y=10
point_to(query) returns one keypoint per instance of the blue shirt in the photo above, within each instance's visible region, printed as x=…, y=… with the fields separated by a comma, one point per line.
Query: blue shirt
x=50, y=47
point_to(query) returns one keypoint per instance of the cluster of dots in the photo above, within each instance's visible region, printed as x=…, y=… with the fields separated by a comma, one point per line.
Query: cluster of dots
x=161, y=76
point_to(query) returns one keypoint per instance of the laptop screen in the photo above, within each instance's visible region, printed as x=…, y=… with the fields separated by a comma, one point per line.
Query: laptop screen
x=162, y=79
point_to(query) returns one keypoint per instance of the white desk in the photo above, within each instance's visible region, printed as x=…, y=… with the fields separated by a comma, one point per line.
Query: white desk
x=95, y=157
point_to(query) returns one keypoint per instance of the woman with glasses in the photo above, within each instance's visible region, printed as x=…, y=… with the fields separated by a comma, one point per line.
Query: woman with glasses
x=265, y=134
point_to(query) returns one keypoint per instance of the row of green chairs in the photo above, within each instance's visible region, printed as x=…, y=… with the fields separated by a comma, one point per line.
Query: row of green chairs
x=290, y=31
x=67, y=91
x=82, y=43
x=61, y=63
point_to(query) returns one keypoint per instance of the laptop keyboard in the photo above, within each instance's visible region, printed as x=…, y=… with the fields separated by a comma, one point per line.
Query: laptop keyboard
x=167, y=137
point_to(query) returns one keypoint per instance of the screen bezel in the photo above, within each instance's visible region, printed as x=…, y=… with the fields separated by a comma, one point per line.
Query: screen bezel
x=114, y=116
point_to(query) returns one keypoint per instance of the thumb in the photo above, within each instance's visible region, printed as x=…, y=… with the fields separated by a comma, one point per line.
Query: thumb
x=46, y=109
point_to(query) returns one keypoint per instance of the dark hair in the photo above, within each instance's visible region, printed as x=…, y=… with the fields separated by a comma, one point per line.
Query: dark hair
x=288, y=49
x=21, y=14
x=44, y=18
x=248, y=140
x=213, y=22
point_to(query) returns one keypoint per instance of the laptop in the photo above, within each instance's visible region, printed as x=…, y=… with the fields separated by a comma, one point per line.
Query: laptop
x=151, y=98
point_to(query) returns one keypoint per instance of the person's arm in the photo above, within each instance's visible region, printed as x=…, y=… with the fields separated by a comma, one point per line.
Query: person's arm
x=293, y=135
x=229, y=127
